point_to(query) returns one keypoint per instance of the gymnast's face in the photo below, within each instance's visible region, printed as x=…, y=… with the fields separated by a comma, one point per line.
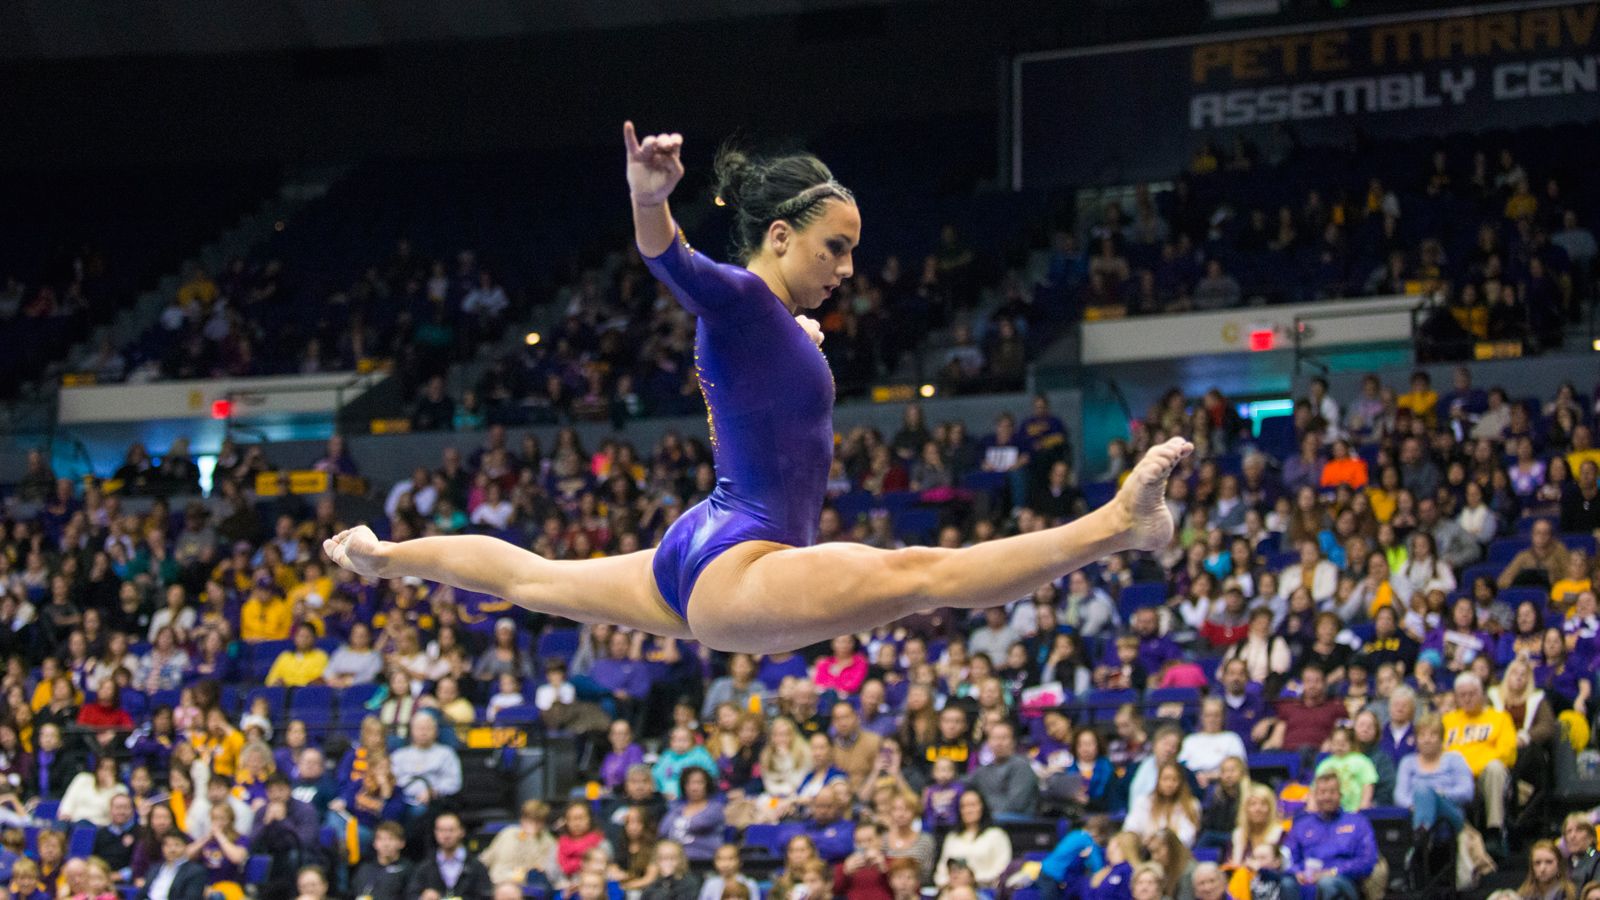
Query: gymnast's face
x=814, y=260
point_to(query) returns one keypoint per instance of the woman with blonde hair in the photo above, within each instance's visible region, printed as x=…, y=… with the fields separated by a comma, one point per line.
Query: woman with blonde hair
x=1535, y=717
x=902, y=839
x=1115, y=879
x=785, y=760
x=1257, y=823
x=1149, y=879
x=1583, y=859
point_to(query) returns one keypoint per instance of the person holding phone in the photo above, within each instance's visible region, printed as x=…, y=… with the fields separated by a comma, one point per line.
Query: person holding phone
x=864, y=874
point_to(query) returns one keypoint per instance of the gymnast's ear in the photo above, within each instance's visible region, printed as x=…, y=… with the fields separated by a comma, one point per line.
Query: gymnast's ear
x=780, y=234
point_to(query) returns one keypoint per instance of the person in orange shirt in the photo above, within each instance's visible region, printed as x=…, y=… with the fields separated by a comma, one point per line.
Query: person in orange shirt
x=1344, y=468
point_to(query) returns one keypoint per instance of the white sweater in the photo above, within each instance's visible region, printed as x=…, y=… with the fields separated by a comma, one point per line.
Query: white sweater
x=988, y=853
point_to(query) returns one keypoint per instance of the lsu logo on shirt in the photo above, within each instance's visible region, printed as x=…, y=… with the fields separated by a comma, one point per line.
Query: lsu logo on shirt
x=1469, y=734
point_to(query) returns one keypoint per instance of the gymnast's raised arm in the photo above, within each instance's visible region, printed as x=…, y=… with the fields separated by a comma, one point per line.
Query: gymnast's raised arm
x=708, y=289
x=654, y=169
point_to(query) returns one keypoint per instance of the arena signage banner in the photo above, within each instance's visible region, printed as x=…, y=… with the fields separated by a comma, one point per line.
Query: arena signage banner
x=1135, y=112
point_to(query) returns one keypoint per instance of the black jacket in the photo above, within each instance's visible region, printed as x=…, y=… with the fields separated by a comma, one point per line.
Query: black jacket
x=63, y=767
x=190, y=883
x=382, y=882
x=474, y=883
x=116, y=850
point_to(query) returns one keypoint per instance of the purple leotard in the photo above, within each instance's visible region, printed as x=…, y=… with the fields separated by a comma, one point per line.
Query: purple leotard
x=770, y=396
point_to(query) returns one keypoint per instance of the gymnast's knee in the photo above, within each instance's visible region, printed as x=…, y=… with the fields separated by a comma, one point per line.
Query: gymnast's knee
x=914, y=573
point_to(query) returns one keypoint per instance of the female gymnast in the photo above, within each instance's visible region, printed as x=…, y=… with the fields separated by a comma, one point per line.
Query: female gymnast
x=738, y=571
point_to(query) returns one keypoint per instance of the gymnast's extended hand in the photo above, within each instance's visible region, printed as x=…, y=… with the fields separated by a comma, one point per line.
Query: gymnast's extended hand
x=359, y=550
x=654, y=169
x=654, y=166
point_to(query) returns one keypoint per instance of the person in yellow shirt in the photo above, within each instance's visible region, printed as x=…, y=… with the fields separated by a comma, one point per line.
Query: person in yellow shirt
x=1582, y=449
x=1487, y=738
x=1422, y=399
x=266, y=616
x=1575, y=581
x=314, y=582
x=301, y=665
x=1522, y=204
x=220, y=743
x=50, y=673
x=1384, y=495
x=197, y=290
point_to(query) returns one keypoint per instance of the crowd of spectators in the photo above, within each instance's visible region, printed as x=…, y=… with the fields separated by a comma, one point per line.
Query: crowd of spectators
x=624, y=348
x=1510, y=250
x=419, y=311
x=1383, y=601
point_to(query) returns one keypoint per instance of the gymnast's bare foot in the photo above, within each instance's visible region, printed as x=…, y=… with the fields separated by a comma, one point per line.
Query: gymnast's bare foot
x=360, y=551
x=1141, y=504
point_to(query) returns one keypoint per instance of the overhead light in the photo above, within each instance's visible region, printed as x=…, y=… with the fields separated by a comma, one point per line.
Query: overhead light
x=532, y=338
x=927, y=390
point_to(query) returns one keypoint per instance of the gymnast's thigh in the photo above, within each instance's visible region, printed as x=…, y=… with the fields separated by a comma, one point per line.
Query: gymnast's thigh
x=765, y=597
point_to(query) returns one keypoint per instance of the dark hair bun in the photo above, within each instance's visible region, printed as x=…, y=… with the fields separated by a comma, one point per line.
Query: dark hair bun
x=733, y=171
x=760, y=191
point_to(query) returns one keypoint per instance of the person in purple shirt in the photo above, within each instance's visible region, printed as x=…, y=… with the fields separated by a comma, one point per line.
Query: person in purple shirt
x=1304, y=469
x=1054, y=746
x=285, y=822
x=1399, y=738
x=834, y=835
x=1333, y=850
x=777, y=666
x=625, y=678
x=624, y=755
x=876, y=715
x=941, y=800
x=1568, y=677
x=695, y=820
x=1154, y=650
x=1243, y=707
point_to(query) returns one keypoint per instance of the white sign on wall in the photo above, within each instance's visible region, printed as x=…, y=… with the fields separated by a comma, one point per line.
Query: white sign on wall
x=1325, y=324
x=273, y=395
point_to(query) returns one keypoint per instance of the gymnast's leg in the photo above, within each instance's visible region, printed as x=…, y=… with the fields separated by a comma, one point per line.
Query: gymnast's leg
x=620, y=590
x=761, y=597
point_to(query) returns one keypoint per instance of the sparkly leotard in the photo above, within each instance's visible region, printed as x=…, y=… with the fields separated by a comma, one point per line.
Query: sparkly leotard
x=770, y=396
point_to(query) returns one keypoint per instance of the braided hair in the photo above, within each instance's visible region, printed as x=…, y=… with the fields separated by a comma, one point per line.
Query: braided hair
x=761, y=191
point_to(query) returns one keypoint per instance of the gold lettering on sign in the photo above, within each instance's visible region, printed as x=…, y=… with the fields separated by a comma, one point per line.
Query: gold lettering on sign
x=1205, y=58
x=1327, y=51
x=1497, y=34
x=1456, y=37
x=1399, y=39
x=1246, y=59
x=1541, y=27
x=1579, y=21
